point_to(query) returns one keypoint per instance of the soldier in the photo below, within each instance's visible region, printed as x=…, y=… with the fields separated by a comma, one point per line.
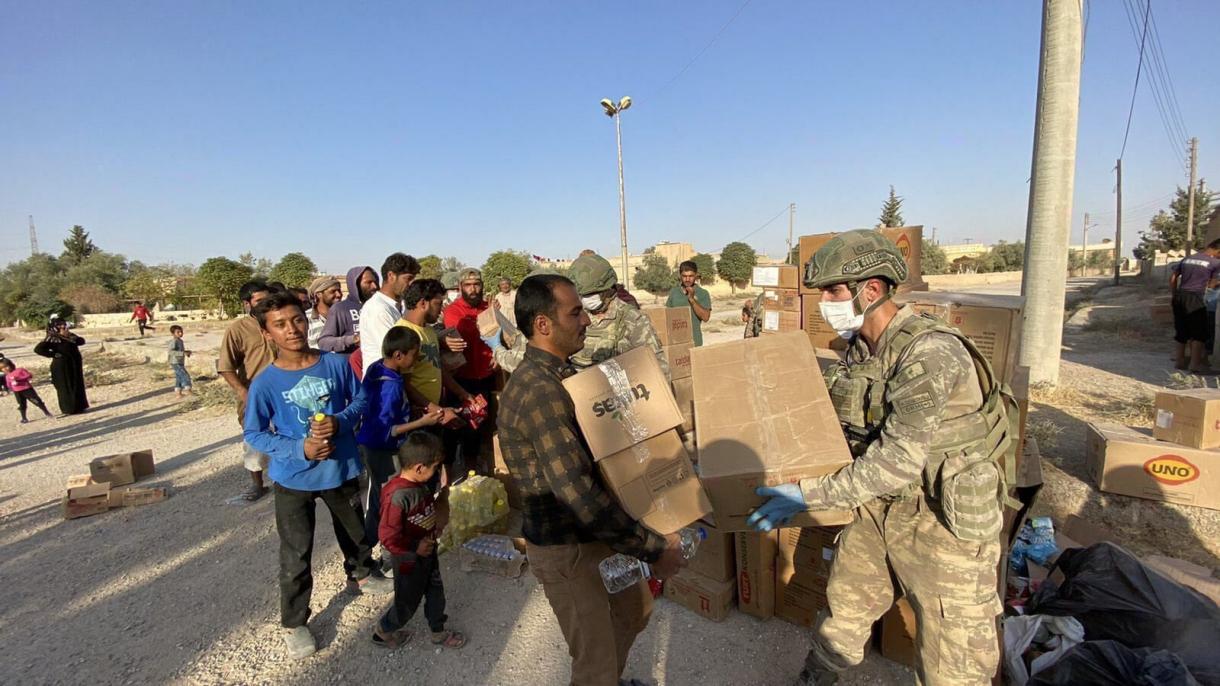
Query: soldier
x=927, y=424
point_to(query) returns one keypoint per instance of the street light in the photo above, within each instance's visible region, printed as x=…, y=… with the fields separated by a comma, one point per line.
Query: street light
x=615, y=111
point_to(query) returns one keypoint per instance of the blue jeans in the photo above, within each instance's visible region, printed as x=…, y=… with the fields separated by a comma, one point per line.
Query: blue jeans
x=181, y=378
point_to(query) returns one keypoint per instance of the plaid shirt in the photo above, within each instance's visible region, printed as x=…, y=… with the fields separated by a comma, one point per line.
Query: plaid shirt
x=562, y=494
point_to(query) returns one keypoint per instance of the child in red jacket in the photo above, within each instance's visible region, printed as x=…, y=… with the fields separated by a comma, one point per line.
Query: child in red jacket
x=17, y=380
x=408, y=532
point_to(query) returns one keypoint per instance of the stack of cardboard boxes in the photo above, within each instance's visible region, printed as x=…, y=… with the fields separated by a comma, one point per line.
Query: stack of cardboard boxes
x=1175, y=463
x=781, y=304
x=674, y=328
x=99, y=490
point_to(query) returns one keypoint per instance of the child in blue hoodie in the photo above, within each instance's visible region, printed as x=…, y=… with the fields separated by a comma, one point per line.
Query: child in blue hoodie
x=302, y=412
x=387, y=418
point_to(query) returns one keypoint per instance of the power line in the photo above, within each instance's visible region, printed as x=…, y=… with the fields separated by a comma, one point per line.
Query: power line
x=1138, y=68
x=699, y=54
x=1158, y=53
x=1135, y=208
x=765, y=224
x=1159, y=96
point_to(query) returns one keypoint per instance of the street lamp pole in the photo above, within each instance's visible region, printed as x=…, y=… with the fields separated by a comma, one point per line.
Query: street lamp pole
x=615, y=111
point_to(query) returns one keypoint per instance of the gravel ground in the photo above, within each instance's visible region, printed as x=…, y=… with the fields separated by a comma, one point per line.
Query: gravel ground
x=184, y=590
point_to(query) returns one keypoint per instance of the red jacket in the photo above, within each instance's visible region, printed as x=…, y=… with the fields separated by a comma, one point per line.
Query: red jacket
x=408, y=516
x=479, y=361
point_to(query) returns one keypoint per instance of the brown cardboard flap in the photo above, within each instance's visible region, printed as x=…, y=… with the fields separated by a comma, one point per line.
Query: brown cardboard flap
x=655, y=483
x=623, y=401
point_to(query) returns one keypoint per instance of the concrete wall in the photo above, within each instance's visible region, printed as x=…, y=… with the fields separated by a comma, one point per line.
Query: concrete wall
x=952, y=281
x=115, y=319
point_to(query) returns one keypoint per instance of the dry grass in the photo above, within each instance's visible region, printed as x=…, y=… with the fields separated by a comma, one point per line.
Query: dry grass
x=106, y=369
x=211, y=392
x=1136, y=410
x=1141, y=329
x=1184, y=381
x=1046, y=432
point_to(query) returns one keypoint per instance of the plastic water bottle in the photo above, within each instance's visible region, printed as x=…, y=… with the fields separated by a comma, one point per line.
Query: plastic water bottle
x=620, y=572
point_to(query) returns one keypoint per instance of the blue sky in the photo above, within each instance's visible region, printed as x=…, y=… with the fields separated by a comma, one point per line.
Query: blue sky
x=175, y=131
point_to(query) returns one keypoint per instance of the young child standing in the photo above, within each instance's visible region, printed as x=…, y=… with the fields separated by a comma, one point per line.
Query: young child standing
x=408, y=530
x=177, y=361
x=17, y=379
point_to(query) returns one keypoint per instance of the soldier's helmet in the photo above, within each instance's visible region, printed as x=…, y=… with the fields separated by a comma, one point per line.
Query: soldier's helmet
x=855, y=256
x=592, y=274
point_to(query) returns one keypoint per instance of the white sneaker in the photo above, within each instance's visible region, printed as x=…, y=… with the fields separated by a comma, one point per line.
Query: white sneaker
x=299, y=642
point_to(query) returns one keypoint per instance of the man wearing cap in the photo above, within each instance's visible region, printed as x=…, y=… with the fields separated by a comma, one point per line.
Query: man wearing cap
x=324, y=291
x=477, y=375
x=927, y=424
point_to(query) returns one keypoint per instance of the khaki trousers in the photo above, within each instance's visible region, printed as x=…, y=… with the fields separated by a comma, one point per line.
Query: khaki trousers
x=599, y=628
x=950, y=583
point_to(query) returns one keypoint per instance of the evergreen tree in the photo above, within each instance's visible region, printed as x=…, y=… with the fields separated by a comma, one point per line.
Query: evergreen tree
x=77, y=246
x=891, y=211
x=1167, y=230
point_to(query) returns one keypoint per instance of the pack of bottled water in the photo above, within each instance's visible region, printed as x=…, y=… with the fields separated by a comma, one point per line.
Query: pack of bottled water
x=477, y=505
x=492, y=553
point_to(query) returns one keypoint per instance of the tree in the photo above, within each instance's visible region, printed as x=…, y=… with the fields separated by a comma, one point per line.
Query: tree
x=294, y=269
x=891, y=211
x=105, y=269
x=90, y=299
x=707, y=268
x=77, y=245
x=655, y=276
x=506, y=263
x=260, y=267
x=219, y=278
x=36, y=312
x=736, y=264
x=1167, y=230
x=38, y=276
x=450, y=264
x=148, y=285
x=933, y=259
x=1007, y=257
x=430, y=267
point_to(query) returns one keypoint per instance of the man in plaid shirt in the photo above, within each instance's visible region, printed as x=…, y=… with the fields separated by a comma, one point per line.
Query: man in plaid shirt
x=571, y=523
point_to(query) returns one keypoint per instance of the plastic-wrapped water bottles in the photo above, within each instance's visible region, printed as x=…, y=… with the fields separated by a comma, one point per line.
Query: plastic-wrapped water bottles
x=477, y=505
x=620, y=572
x=492, y=553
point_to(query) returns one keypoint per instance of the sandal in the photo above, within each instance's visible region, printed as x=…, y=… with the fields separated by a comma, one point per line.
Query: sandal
x=254, y=493
x=448, y=639
x=392, y=639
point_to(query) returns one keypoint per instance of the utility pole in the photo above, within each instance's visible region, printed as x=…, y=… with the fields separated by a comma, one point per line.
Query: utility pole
x=1118, y=219
x=33, y=238
x=934, y=235
x=1052, y=176
x=1190, y=195
x=615, y=111
x=791, y=223
x=1084, y=246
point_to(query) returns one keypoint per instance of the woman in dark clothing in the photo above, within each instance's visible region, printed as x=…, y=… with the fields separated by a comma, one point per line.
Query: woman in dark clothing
x=67, y=370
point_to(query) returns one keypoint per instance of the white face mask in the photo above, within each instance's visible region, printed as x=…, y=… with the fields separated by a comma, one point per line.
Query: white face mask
x=593, y=303
x=841, y=316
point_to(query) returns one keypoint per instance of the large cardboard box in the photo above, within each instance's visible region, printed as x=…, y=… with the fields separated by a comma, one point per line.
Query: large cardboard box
x=622, y=402
x=1130, y=462
x=781, y=300
x=1020, y=391
x=500, y=473
x=780, y=322
x=672, y=324
x=756, y=573
x=678, y=357
x=684, y=394
x=802, y=568
x=764, y=418
x=819, y=332
x=777, y=276
x=909, y=240
x=126, y=468
x=84, y=496
x=1190, y=418
x=705, y=597
x=714, y=558
x=655, y=482
x=992, y=322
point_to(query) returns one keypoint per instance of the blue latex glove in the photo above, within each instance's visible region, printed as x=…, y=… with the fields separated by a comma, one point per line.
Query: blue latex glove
x=493, y=342
x=785, y=503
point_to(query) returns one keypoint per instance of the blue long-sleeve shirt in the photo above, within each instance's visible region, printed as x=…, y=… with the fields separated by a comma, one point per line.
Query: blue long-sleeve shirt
x=279, y=407
x=387, y=406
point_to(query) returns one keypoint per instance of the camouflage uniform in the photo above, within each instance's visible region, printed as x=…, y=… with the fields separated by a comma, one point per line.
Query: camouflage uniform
x=925, y=424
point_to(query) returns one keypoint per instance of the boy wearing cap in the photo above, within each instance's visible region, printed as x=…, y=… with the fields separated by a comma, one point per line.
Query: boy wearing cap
x=325, y=291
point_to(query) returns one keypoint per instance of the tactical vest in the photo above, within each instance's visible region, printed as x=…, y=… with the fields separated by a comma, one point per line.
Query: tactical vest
x=972, y=458
x=602, y=340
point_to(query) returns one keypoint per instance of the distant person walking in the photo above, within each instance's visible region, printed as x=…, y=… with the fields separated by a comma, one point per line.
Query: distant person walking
x=690, y=294
x=17, y=379
x=1189, y=282
x=143, y=317
x=177, y=360
x=67, y=367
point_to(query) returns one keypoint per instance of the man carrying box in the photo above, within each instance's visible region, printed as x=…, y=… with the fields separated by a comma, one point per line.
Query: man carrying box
x=927, y=423
x=570, y=522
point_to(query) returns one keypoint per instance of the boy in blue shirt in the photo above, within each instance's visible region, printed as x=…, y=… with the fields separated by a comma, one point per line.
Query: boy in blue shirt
x=387, y=418
x=302, y=412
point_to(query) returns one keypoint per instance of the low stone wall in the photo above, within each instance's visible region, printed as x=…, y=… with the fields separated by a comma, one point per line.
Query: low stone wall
x=116, y=319
x=954, y=281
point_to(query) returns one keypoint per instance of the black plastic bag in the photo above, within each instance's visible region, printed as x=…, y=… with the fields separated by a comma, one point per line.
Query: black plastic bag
x=1116, y=597
x=1110, y=662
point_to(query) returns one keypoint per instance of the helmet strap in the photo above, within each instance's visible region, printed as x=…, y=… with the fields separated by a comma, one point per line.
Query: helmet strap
x=854, y=287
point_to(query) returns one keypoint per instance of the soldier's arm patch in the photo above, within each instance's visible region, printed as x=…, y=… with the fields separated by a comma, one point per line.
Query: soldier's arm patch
x=910, y=372
x=919, y=403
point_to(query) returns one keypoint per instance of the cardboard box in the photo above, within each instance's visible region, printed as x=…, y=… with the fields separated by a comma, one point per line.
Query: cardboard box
x=500, y=473
x=655, y=482
x=781, y=300
x=486, y=321
x=85, y=496
x=705, y=597
x=898, y=633
x=992, y=322
x=1020, y=391
x=909, y=240
x=1130, y=462
x=714, y=559
x=672, y=324
x=1188, y=574
x=756, y=572
x=123, y=469
x=764, y=419
x=132, y=497
x=819, y=332
x=777, y=276
x=684, y=394
x=1190, y=418
x=780, y=322
x=623, y=401
x=678, y=357
x=802, y=568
